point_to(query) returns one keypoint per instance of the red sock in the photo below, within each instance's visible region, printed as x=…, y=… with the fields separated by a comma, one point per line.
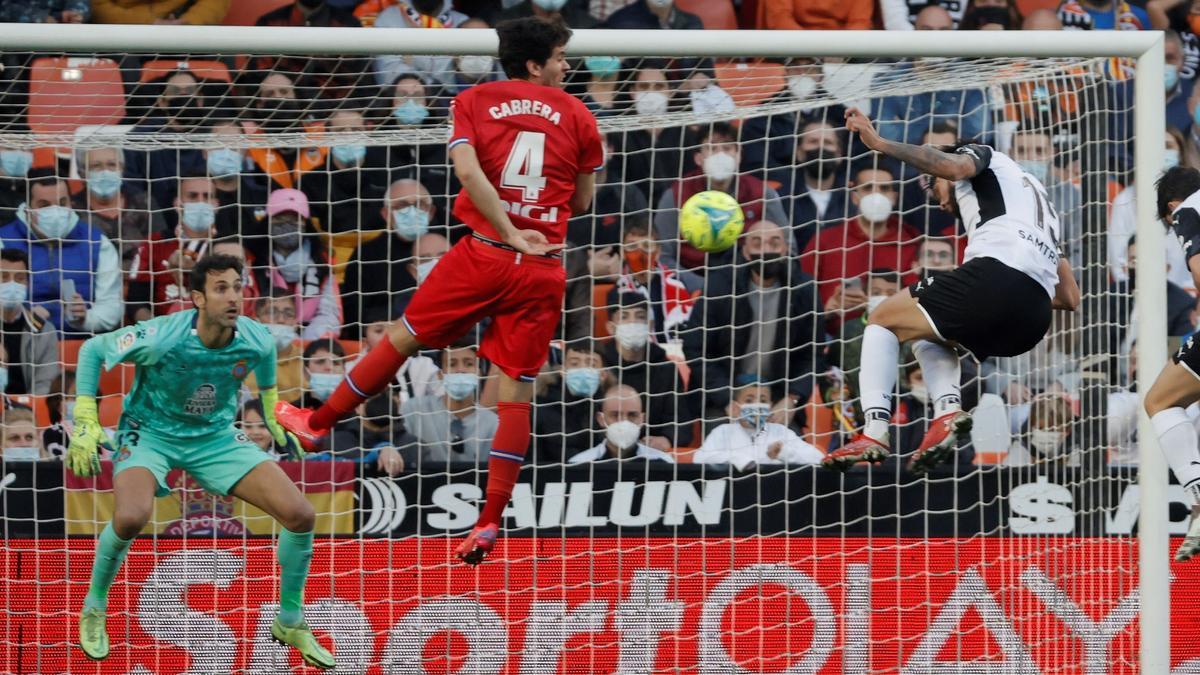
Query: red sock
x=368, y=378
x=504, y=463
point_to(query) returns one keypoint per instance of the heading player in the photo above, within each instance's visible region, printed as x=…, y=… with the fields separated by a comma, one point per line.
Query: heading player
x=997, y=303
x=526, y=153
x=1178, y=385
x=180, y=415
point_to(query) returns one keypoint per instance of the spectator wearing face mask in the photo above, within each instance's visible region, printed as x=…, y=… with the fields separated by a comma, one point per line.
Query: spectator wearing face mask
x=452, y=428
x=669, y=293
x=768, y=140
x=1033, y=151
x=32, y=343
x=276, y=109
x=427, y=14
x=377, y=272
x=75, y=271
x=572, y=15
x=623, y=422
x=158, y=275
x=716, y=168
x=565, y=412
x=472, y=69
x=603, y=84
x=340, y=78
x=814, y=189
x=118, y=209
x=253, y=423
x=653, y=14
x=345, y=194
x=277, y=310
x=751, y=439
x=640, y=363
x=427, y=251
x=1047, y=439
x=180, y=107
x=647, y=159
x=21, y=440
x=14, y=167
x=413, y=106
x=920, y=206
x=700, y=85
x=324, y=368
x=906, y=117
x=237, y=190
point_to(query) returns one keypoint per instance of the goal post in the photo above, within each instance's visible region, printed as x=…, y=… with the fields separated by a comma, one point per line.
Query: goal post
x=1143, y=49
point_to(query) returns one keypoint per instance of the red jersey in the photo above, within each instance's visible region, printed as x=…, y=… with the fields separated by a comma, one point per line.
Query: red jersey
x=532, y=142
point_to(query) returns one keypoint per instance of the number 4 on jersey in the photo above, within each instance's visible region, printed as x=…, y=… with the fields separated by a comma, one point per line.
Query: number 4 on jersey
x=523, y=169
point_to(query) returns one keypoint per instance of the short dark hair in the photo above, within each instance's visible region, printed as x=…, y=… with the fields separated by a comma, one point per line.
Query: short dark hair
x=941, y=127
x=619, y=300
x=15, y=255
x=718, y=129
x=874, y=162
x=328, y=344
x=213, y=262
x=43, y=176
x=528, y=39
x=886, y=274
x=585, y=345
x=1176, y=184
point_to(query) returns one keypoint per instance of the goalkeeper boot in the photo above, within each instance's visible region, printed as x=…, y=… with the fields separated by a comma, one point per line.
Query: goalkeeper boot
x=93, y=633
x=301, y=637
x=941, y=440
x=477, y=544
x=861, y=449
x=1190, y=545
x=295, y=420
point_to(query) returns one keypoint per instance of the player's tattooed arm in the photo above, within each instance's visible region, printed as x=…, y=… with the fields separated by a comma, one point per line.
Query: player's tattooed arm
x=927, y=159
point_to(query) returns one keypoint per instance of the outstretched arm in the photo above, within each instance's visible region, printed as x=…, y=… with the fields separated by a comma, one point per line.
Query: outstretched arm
x=927, y=159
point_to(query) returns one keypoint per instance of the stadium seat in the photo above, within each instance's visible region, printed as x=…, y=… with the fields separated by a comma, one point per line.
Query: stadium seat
x=714, y=14
x=750, y=83
x=352, y=347
x=119, y=380
x=41, y=412
x=248, y=12
x=600, y=303
x=68, y=353
x=820, y=428
x=110, y=410
x=214, y=71
x=68, y=92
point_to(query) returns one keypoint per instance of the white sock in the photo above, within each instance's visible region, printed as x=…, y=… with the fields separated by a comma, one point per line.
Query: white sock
x=877, y=379
x=939, y=367
x=1177, y=437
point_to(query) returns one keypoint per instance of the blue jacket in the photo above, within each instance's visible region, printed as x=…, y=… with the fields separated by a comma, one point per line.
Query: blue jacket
x=76, y=257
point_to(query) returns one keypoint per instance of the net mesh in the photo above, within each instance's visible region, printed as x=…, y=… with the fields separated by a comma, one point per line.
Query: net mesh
x=718, y=553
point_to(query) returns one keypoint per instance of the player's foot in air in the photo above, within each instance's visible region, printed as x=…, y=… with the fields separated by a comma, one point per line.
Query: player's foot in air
x=295, y=420
x=93, y=633
x=477, y=544
x=301, y=637
x=861, y=449
x=1191, y=541
x=941, y=440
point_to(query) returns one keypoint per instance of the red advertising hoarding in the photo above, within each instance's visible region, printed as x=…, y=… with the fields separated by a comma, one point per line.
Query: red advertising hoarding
x=607, y=605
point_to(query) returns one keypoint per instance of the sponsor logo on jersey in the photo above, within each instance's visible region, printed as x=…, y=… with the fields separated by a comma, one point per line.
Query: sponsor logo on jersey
x=240, y=370
x=203, y=400
x=126, y=341
x=122, y=454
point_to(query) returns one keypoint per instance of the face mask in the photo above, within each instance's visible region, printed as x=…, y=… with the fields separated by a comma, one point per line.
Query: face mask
x=285, y=236
x=640, y=261
x=424, y=269
x=476, y=66
x=1170, y=76
x=460, y=386
x=550, y=5
x=801, y=86
x=711, y=100
x=186, y=108
x=651, y=102
x=55, y=222
x=583, y=381
x=754, y=415
x=322, y=384
x=15, y=163
x=875, y=207
x=410, y=112
x=104, y=184
x=720, y=166
x=624, y=434
x=21, y=454
x=602, y=66
x=12, y=294
x=822, y=164
x=350, y=155
x=410, y=222
x=1170, y=158
x=280, y=114
x=1045, y=442
x=198, y=217
x=920, y=392
x=291, y=266
x=284, y=335
x=633, y=336
x=769, y=266
x=875, y=301
x=1039, y=170
x=224, y=162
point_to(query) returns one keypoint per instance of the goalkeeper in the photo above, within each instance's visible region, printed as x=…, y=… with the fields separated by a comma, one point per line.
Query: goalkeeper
x=180, y=414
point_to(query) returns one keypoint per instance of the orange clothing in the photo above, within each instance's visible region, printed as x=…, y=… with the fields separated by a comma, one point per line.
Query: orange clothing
x=198, y=13
x=819, y=14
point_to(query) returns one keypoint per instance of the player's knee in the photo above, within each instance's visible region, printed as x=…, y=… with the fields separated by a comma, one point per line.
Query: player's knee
x=300, y=517
x=403, y=340
x=129, y=520
x=1158, y=399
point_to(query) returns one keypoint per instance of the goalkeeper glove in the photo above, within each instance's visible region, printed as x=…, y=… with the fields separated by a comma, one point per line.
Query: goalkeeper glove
x=283, y=438
x=83, y=458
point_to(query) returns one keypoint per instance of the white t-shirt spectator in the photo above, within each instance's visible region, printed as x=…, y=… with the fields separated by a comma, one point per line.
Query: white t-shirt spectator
x=601, y=452
x=733, y=444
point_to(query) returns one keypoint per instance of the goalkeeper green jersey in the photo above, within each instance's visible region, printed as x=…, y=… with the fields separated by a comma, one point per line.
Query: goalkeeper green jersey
x=181, y=388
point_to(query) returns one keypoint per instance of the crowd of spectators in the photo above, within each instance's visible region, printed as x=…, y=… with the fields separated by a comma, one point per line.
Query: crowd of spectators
x=742, y=358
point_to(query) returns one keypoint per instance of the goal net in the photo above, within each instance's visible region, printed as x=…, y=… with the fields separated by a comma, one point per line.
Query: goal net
x=671, y=515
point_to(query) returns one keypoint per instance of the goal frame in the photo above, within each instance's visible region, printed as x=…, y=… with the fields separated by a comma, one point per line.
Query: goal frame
x=1145, y=48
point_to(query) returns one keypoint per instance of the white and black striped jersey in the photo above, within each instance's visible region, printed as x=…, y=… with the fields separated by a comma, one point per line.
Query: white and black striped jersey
x=1008, y=217
x=1185, y=221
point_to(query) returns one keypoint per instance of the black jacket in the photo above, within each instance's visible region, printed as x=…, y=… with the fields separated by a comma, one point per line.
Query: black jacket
x=376, y=274
x=564, y=424
x=670, y=406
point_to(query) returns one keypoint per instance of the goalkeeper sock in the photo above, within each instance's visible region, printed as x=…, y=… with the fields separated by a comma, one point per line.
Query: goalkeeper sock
x=295, y=552
x=877, y=379
x=110, y=553
x=373, y=372
x=939, y=367
x=504, y=463
x=1177, y=437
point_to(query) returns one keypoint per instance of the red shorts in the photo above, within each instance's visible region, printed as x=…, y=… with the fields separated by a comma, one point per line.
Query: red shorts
x=522, y=294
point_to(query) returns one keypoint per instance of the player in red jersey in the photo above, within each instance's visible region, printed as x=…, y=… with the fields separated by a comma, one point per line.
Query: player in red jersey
x=526, y=153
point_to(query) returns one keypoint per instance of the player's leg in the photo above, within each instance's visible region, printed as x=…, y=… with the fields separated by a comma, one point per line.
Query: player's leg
x=940, y=368
x=1173, y=391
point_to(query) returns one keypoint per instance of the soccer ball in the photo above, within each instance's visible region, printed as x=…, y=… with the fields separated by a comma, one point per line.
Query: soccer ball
x=711, y=221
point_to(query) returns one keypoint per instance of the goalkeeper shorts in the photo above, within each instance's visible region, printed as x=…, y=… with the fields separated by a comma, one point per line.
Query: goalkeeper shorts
x=986, y=307
x=217, y=462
